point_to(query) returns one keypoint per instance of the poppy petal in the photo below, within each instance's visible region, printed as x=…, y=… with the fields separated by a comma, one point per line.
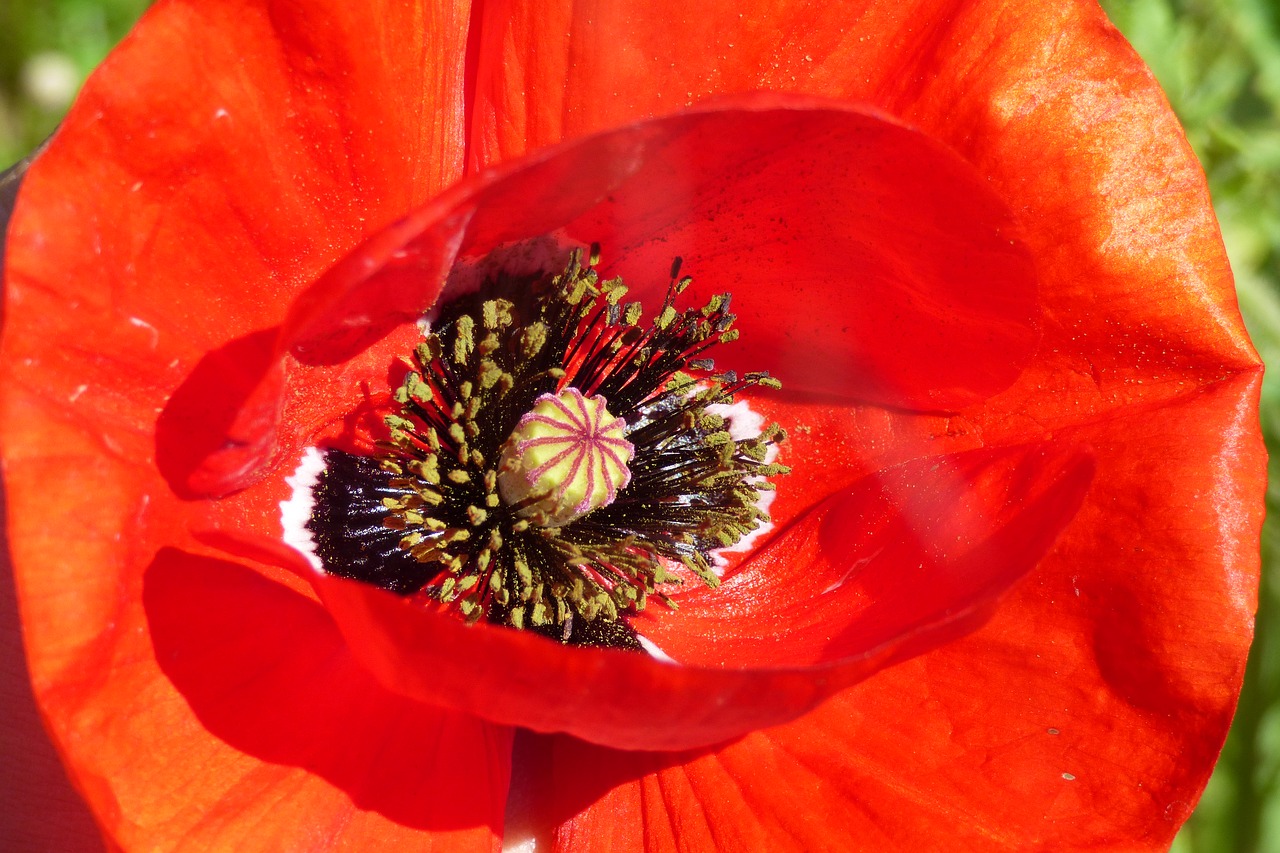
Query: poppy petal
x=241, y=185
x=221, y=153
x=842, y=208
x=199, y=676
x=241, y=695
x=263, y=670
x=902, y=561
x=1054, y=108
x=41, y=806
x=903, y=546
x=1042, y=98
x=1014, y=88
x=865, y=261
x=1020, y=734
x=846, y=207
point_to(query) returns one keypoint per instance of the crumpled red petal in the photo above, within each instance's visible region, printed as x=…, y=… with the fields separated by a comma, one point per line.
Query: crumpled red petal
x=1050, y=104
x=201, y=703
x=760, y=195
x=1013, y=87
x=265, y=672
x=237, y=187
x=1043, y=99
x=1007, y=738
x=900, y=562
x=233, y=189
x=902, y=551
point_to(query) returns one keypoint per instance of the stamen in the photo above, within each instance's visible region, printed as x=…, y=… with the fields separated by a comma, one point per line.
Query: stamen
x=552, y=465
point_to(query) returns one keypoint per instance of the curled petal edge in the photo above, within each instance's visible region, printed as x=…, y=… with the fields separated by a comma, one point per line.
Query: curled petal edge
x=946, y=310
x=1027, y=494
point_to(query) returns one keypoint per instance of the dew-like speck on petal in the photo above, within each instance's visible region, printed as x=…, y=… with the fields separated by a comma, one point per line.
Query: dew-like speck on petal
x=151, y=330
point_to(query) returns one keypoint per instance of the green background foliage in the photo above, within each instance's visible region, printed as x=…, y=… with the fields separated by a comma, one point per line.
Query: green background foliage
x=41, y=42
x=1219, y=63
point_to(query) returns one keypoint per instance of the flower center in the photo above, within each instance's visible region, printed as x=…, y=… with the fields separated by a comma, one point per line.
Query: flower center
x=553, y=463
x=566, y=457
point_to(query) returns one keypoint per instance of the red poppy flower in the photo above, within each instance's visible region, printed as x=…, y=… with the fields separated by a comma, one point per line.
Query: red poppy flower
x=1009, y=593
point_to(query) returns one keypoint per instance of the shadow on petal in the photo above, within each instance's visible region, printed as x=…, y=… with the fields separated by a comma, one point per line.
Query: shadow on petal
x=266, y=671
x=220, y=424
x=1130, y=659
